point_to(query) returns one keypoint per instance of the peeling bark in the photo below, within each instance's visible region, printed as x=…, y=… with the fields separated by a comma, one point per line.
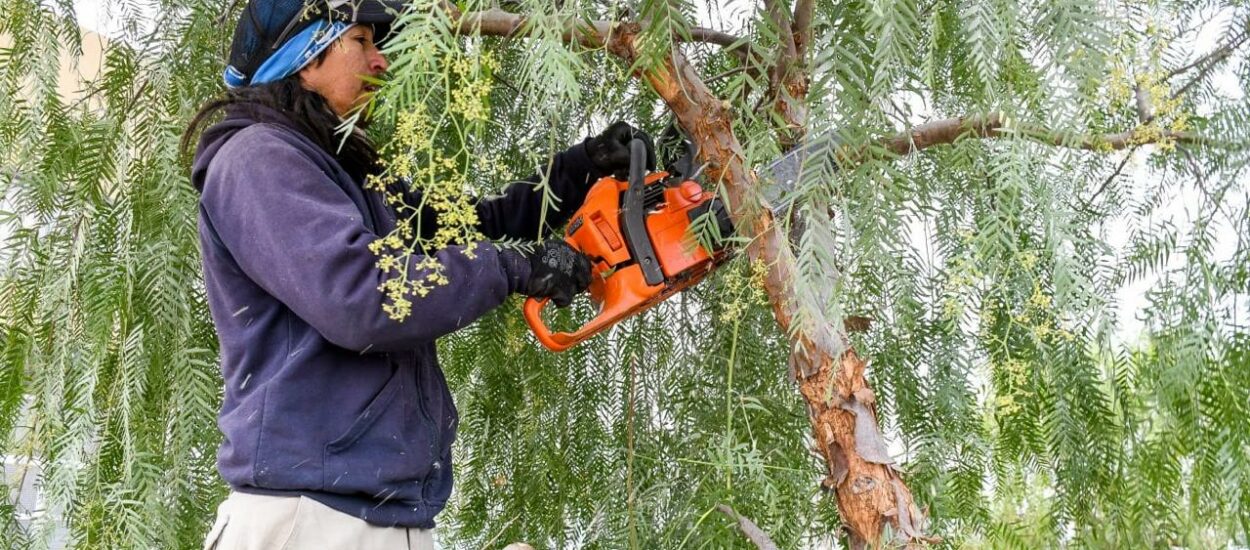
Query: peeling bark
x=869, y=490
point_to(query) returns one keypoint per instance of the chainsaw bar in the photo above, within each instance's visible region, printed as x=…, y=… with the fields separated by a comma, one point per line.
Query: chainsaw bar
x=784, y=172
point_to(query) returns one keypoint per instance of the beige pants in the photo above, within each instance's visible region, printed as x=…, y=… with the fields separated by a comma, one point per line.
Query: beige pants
x=259, y=522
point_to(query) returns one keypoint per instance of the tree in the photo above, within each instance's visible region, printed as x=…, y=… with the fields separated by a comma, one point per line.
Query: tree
x=971, y=208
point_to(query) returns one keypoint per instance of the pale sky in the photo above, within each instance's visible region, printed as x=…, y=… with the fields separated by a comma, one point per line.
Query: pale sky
x=101, y=16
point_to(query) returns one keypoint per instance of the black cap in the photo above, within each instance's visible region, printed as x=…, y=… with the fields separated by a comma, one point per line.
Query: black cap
x=265, y=25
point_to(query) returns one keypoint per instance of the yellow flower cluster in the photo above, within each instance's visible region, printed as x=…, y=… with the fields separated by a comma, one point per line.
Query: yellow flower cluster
x=417, y=157
x=1118, y=90
x=469, y=98
x=964, y=275
x=492, y=167
x=744, y=289
x=393, y=258
x=1166, y=115
x=1008, y=401
x=1036, y=318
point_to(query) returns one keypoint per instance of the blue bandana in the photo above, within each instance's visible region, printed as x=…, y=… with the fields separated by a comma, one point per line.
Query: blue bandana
x=292, y=56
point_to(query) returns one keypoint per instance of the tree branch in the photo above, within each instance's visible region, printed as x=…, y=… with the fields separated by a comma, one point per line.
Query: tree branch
x=496, y=22
x=752, y=531
x=787, y=77
x=1145, y=109
x=948, y=131
x=781, y=18
x=1087, y=203
x=590, y=34
x=1209, y=62
x=870, y=493
x=719, y=38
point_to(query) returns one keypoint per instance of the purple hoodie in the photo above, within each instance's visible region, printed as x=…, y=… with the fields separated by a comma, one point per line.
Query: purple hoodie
x=325, y=396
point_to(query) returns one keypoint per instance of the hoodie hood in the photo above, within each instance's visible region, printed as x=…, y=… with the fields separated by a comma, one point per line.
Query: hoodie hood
x=238, y=117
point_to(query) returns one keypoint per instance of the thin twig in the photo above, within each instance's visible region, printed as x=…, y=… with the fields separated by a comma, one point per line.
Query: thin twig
x=505, y=82
x=719, y=76
x=629, y=452
x=1085, y=204
x=1201, y=184
x=500, y=533
x=1222, y=51
x=221, y=18
x=1209, y=62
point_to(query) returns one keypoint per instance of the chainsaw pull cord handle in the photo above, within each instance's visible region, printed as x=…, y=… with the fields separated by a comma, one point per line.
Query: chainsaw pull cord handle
x=634, y=216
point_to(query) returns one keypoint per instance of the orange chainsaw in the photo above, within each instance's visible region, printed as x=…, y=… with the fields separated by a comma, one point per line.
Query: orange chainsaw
x=636, y=235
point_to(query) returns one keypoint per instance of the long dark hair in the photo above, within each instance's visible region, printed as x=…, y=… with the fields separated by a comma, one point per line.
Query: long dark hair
x=303, y=109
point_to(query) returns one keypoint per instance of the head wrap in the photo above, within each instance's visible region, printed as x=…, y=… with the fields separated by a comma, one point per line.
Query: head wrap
x=292, y=56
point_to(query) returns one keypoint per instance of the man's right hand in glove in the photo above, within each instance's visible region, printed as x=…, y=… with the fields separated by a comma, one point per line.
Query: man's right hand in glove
x=557, y=271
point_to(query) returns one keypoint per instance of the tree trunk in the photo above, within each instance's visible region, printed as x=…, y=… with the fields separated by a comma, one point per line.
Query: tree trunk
x=870, y=493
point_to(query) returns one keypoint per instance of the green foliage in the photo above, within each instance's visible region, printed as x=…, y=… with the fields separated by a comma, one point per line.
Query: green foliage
x=1027, y=408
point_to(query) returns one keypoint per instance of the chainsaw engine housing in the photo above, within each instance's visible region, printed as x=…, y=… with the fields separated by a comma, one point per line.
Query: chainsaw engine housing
x=637, y=236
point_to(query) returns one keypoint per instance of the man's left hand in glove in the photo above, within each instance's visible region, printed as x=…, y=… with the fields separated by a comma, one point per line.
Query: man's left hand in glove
x=609, y=151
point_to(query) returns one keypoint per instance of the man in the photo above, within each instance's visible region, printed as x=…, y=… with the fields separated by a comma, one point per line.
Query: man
x=338, y=422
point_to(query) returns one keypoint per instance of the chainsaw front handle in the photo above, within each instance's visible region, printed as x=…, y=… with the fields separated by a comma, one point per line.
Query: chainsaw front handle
x=560, y=341
x=630, y=296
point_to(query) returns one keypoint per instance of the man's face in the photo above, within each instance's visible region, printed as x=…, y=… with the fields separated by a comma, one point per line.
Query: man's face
x=337, y=76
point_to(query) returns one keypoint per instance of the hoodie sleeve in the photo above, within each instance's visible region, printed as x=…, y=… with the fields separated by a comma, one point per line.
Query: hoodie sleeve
x=298, y=235
x=518, y=211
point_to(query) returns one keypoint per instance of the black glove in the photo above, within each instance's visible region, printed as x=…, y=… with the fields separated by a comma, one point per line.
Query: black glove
x=557, y=271
x=609, y=151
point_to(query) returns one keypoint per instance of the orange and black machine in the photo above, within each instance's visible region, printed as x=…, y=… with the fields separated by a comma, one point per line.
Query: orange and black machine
x=637, y=236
